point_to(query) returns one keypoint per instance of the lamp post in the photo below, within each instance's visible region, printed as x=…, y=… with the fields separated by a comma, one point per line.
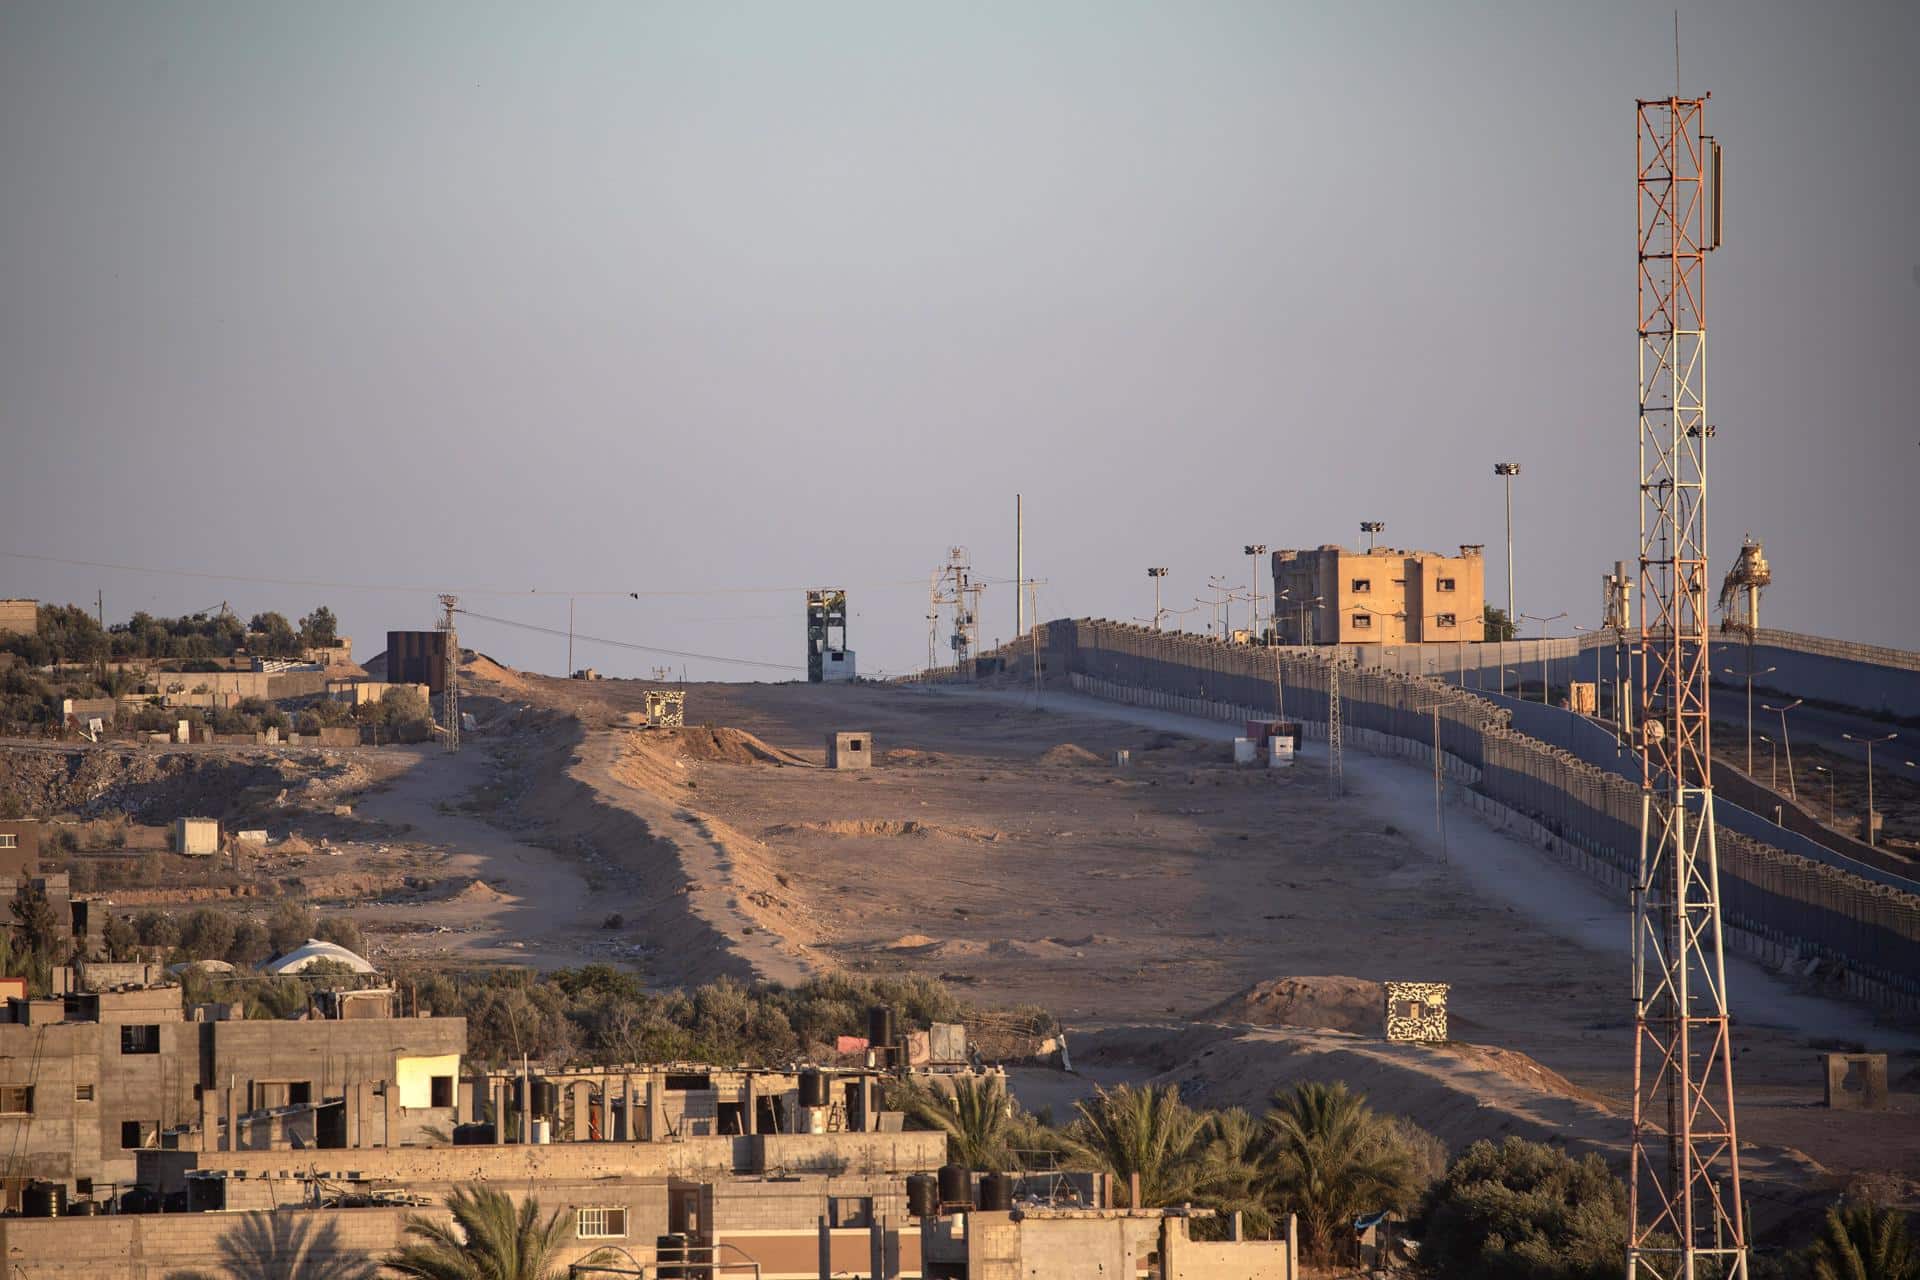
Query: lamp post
x=1156, y=574
x=1792, y=789
x=1544, y=637
x=1751, y=673
x=1372, y=528
x=1870, y=743
x=1596, y=633
x=1831, y=818
x=1507, y=471
x=1314, y=604
x=1773, y=762
x=1254, y=551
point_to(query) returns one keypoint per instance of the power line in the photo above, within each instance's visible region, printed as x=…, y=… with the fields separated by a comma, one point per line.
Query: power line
x=610, y=593
x=628, y=644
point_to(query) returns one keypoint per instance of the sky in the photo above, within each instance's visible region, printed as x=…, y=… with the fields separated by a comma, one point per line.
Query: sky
x=716, y=302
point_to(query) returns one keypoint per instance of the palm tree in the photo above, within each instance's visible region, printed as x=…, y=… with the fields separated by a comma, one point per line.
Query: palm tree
x=1146, y=1131
x=1230, y=1173
x=1332, y=1159
x=977, y=1118
x=488, y=1239
x=1863, y=1242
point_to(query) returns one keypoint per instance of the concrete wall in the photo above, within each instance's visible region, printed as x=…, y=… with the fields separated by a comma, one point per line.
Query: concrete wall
x=23, y=858
x=1868, y=678
x=231, y=1246
x=1810, y=901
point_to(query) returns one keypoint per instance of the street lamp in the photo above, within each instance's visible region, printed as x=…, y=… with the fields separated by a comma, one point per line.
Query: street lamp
x=1156, y=574
x=1508, y=470
x=1255, y=550
x=1773, y=763
x=1751, y=673
x=1820, y=768
x=1870, y=743
x=1792, y=789
x=1544, y=637
x=1372, y=528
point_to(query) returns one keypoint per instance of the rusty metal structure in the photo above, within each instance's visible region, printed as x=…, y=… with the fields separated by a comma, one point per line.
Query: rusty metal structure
x=1687, y=1218
x=450, y=693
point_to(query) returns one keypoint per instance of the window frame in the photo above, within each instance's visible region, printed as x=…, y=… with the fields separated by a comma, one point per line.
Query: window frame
x=139, y=1039
x=1363, y=622
x=1447, y=620
x=1445, y=584
x=604, y=1219
x=83, y=1091
x=1362, y=586
x=10, y=1092
x=8, y=840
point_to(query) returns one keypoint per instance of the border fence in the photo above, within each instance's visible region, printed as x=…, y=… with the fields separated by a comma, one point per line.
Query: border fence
x=1779, y=905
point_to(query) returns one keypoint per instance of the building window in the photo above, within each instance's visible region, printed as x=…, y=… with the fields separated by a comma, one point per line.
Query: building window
x=8, y=840
x=1363, y=621
x=1445, y=619
x=601, y=1222
x=1443, y=584
x=440, y=1091
x=1362, y=585
x=140, y=1037
x=16, y=1099
x=849, y=1211
x=134, y=1135
x=83, y=1093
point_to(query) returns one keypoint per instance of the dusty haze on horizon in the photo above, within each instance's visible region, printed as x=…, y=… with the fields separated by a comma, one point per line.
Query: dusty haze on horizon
x=617, y=298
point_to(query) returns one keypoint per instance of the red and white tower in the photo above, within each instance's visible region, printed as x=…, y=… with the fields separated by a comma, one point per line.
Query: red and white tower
x=1684, y=1183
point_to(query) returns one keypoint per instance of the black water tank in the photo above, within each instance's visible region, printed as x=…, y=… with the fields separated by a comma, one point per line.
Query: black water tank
x=43, y=1200
x=140, y=1200
x=923, y=1195
x=83, y=1208
x=670, y=1251
x=206, y=1195
x=996, y=1192
x=880, y=1026
x=956, y=1187
x=813, y=1088
x=472, y=1135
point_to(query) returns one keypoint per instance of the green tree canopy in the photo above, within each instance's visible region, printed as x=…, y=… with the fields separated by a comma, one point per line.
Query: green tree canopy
x=1525, y=1211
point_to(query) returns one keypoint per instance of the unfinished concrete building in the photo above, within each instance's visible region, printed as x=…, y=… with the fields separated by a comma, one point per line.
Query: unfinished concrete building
x=1330, y=595
x=94, y=1078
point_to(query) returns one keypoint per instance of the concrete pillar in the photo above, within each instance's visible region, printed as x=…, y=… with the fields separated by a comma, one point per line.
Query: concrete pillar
x=499, y=1089
x=526, y=1109
x=231, y=1096
x=582, y=1092
x=463, y=1100
x=656, y=1108
x=629, y=1120
x=390, y=1113
x=351, y=1103
x=210, y=1119
x=748, y=1105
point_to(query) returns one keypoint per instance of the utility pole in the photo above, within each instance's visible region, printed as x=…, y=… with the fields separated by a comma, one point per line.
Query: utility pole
x=1156, y=574
x=1372, y=528
x=569, y=635
x=450, y=693
x=1019, y=566
x=1508, y=470
x=1254, y=551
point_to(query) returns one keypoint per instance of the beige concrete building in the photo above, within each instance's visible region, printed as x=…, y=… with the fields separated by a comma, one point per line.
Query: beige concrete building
x=1330, y=595
x=19, y=616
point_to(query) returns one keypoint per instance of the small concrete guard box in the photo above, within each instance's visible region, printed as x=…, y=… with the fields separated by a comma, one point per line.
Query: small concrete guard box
x=198, y=837
x=850, y=750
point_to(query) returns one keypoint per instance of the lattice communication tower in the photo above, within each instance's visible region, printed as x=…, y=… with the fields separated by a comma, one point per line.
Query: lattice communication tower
x=1684, y=1186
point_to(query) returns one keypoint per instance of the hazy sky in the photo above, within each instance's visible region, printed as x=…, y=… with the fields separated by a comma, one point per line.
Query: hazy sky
x=704, y=297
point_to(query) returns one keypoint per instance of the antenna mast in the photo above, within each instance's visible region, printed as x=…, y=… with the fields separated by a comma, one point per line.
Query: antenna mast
x=1684, y=1184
